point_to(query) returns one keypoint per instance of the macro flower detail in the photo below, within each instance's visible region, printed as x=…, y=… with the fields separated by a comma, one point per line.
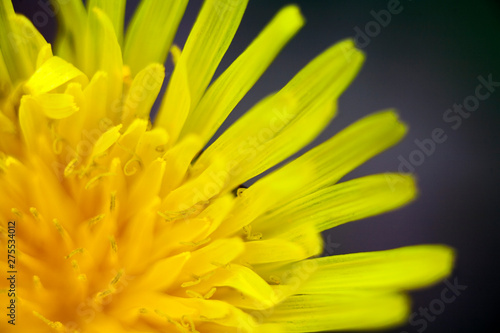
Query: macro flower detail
x=122, y=224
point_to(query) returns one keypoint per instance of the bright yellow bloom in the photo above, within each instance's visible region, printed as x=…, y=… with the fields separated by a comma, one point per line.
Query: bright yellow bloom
x=120, y=225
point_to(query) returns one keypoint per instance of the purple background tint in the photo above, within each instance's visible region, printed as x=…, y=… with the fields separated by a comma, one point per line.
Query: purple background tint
x=426, y=59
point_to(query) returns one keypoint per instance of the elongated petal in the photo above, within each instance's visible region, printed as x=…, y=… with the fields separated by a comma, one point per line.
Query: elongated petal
x=151, y=32
x=247, y=282
x=155, y=278
x=315, y=313
x=72, y=19
x=344, y=202
x=179, y=159
x=54, y=73
x=106, y=140
x=208, y=41
x=114, y=10
x=20, y=42
x=31, y=121
x=57, y=106
x=272, y=250
x=399, y=269
x=142, y=93
x=281, y=124
x=334, y=158
x=320, y=167
x=103, y=53
x=264, y=195
x=234, y=83
x=206, y=259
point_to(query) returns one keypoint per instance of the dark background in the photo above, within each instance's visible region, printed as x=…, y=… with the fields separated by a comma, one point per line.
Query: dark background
x=424, y=61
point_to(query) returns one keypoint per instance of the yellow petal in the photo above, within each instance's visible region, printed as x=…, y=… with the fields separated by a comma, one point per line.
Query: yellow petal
x=70, y=128
x=31, y=121
x=103, y=53
x=345, y=151
x=282, y=124
x=271, y=250
x=234, y=83
x=208, y=41
x=6, y=125
x=54, y=73
x=155, y=277
x=151, y=32
x=5, y=80
x=20, y=42
x=178, y=160
x=315, y=313
x=44, y=55
x=152, y=145
x=56, y=106
x=140, y=229
x=107, y=139
x=247, y=282
x=114, y=10
x=96, y=101
x=344, y=202
x=392, y=270
x=72, y=21
x=264, y=195
x=212, y=256
x=147, y=185
x=142, y=93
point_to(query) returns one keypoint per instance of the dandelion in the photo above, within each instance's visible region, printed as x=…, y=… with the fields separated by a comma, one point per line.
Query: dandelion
x=120, y=224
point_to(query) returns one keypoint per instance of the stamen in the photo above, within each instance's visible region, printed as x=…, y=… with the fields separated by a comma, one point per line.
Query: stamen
x=70, y=168
x=94, y=180
x=116, y=278
x=210, y=293
x=37, y=282
x=191, y=283
x=131, y=171
x=57, y=145
x=95, y=219
x=59, y=227
x=112, y=202
x=16, y=212
x=198, y=243
x=53, y=324
x=100, y=295
x=274, y=279
x=197, y=279
x=114, y=246
x=221, y=265
x=170, y=216
x=256, y=236
x=171, y=321
x=250, y=236
x=161, y=148
x=80, y=250
x=194, y=294
x=188, y=322
x=75, y=266
x=35, y=213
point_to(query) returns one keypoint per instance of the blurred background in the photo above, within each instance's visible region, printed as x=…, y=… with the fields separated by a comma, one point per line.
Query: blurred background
x=425, y=59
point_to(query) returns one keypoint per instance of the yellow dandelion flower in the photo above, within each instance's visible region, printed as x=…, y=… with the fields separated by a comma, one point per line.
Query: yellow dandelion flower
x=111, y=223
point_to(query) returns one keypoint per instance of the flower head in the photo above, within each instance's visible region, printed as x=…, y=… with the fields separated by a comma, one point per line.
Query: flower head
x=120, y=224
